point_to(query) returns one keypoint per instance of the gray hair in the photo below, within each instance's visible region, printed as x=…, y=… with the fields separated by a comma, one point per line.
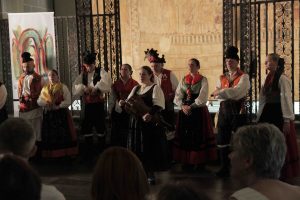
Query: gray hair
x=17, y=136
x=265, y=144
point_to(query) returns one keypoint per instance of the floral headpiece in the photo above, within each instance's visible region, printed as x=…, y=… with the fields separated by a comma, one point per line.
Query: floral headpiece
x=151, y=55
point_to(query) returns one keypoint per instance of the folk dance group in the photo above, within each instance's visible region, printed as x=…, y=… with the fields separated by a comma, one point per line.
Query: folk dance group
x=142, y=112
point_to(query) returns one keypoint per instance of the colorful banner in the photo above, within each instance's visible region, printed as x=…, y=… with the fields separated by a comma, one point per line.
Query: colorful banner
x=34, y=33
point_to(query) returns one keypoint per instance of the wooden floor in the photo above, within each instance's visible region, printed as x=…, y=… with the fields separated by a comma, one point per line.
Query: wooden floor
x=73, y=179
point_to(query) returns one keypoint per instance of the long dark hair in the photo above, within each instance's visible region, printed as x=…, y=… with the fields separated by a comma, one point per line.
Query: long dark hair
x=279, y=70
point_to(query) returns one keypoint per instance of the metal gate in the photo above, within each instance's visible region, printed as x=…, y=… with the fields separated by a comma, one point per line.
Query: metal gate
x=98, y=30
x=259, y=27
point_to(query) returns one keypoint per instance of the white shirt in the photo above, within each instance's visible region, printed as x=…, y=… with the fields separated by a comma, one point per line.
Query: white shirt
x=49, y=192
x=103, y=85
x=286, y=100
x=64, y=104
x=199, y=101
x=248, y=194
x=3, y=96
x=235, y=93
x=158, y=98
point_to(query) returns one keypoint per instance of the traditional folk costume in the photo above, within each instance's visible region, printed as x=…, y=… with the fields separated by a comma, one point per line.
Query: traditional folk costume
x=59, y=137
x=3, y=96
x=29, y=88
x=119, y=117
x=147, y=139
x=168, y=83
x=233, y=89
x=276, y=107
x=194, y=141
x=93, y=103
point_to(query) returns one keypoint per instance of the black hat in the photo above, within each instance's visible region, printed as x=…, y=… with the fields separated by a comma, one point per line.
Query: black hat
x=89, y=58
x=26, y=57
x=231, y=52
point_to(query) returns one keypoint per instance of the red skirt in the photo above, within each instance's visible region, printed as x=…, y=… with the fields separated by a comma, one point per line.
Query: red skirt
x=291, y=167
x=194, y=141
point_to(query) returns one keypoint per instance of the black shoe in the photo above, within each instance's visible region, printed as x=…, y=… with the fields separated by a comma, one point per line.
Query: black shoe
x=223, y=173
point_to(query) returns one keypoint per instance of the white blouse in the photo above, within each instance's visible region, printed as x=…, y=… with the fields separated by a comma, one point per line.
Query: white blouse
x=158, y=98
x=286, y=100
x=199, y=101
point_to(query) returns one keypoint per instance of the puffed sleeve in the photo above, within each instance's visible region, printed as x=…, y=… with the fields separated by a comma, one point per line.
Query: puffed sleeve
x=67, y=98
x=237, y=92
x=3, y=95
x=158, y=98
x=178, y=95
x=41, y=100
x=104, y=84
x=285, y=86
x=78, y=87
x=203, y=94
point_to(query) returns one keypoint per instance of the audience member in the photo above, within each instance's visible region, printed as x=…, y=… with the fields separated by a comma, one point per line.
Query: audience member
x=18, y=181
x=257, y=157
x=119, y=175
x=18, y=137
x=3, y=96
x=179, y=191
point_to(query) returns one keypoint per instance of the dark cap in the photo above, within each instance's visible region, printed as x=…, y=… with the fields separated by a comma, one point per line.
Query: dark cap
x=232, y=52
x=89, y=58
x=26, y=57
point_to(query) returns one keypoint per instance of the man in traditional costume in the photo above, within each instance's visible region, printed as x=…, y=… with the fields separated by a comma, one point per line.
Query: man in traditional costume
x=29, y=87
x=232, y=89
x=92, y=83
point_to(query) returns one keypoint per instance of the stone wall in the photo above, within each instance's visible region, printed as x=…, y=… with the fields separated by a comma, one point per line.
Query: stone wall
x=182, y=29
x=179, y=29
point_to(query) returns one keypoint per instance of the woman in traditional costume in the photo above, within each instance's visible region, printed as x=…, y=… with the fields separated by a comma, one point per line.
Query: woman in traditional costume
x=146, y=135
x=194, y=143
x=59, y=137
x=119, y=117
x=276, y=107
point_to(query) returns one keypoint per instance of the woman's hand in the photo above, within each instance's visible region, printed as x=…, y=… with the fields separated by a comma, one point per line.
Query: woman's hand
x=147, y=117
x=286, y=128
x=122, y=103
x=186, y=109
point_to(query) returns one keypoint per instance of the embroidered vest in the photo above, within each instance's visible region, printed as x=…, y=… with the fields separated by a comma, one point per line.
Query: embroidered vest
x=28, y=103
x=226, y=83
x=122, y=91
x=191, y=90
x=166, y=86
x=92, y=98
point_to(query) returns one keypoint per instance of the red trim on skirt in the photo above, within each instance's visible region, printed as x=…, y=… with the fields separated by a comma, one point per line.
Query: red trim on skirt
x=72, y=151
x=291, y=167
